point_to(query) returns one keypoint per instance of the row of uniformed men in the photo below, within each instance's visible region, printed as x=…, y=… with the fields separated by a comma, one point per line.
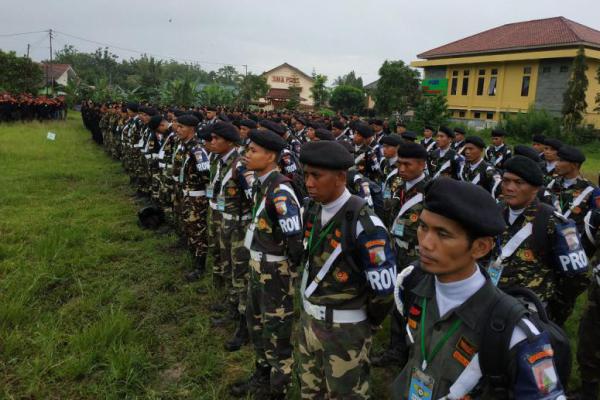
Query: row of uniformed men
x=404, y=209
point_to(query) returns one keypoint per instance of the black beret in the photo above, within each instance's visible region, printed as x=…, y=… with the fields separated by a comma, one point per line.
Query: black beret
x=538, y=139
x=198, y=115
x=133, y=107
x=179, y=113
x=248, y=123
x=364, y=130
x=316, y=125
x=409, y=135
x=554, y=143
x=204, y=132
x=224, y=117
x=326, y=154
x=526, y=169
x=375, y=121
x=301, y=120
x=527, y=151
x=448, y=131
x=324, y=134
x=338, y=124
x=155, y=121
x=412, y=150
x=272, y=126
x=429, y=127
x=392, y=140
x=188, y=120
x=402, y=124
x=226, y=130
x=571, y=154
x=267, y=139
x=211, y=108
x=475, y=140
x=469, y=205
x=458, y=129
x=498, y=133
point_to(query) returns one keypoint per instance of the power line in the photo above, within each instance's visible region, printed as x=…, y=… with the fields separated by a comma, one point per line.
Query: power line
x=21, y=33
x=145, y=52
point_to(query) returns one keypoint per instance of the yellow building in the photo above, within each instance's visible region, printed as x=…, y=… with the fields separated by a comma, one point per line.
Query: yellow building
x=507, y=69
x=280, y=79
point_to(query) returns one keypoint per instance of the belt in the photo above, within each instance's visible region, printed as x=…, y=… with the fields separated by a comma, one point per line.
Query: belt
x=161, y=165
x=194, y=193
x=402, y=244
x=259, y=256
x=230, y=217
x=148, y=156
x=176, y=178
x=338, y=316
x=154, y=155
x=212, y=205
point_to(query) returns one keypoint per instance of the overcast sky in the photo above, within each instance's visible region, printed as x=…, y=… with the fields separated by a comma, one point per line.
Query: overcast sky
x=332, y=37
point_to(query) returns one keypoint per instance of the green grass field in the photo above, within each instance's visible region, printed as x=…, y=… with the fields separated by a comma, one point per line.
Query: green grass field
x=92, y=307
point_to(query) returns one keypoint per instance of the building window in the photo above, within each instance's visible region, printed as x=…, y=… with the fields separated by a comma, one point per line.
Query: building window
x=482, y=72
x=461, y=114
x=492, y=88
x=489, y=115
x=527, y=70
x=546, y=70
x=564, y=68
x=477, y=115
x=453, y=86
x=494, y=71
x=480, y=83
x=465, y=83
x=525, y=86
x=454, y=73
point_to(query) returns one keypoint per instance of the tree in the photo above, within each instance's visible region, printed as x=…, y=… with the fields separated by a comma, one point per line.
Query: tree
x=294, y=100
x=228, y=75
x=180, y=92
x=348, y=99
x=397, y=88
x=574, y=104
x=349, y=79
x=431, y=110
x=215, y=95
x=252, y=87
x=19, y=74
x=319, y=91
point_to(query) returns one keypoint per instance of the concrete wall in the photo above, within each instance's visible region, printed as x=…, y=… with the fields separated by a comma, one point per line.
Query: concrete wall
x=552, y=84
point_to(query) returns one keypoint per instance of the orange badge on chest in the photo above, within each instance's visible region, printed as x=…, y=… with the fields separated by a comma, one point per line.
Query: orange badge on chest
x=262, y=223
x=414, y=217
x=341, y=276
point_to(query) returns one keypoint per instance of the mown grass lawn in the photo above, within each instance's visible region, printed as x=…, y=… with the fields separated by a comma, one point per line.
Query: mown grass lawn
x=91, y=306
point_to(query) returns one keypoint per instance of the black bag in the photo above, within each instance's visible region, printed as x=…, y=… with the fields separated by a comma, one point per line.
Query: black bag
x=503, y=317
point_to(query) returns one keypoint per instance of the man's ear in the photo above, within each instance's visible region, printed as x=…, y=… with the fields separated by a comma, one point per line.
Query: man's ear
x=481, y=247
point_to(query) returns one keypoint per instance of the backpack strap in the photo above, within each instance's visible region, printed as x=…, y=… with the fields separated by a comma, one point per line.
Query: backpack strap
x=505, y=313
x=539, y=232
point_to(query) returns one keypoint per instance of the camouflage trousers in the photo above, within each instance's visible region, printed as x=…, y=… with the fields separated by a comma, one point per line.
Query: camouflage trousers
x=214, y=233
x=142, y=173
x=236, y=256
x=155, y=174
x=166, y=189
x=333, y=359
x=588, y=351
x=269, y=313
x=193, y=217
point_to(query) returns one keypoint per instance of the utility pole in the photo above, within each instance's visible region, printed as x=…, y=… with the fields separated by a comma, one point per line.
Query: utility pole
x=246, y=68
x=51, y=79
x=28, y=46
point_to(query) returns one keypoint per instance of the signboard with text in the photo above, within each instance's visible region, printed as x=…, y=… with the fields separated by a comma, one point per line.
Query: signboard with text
x=432, y=87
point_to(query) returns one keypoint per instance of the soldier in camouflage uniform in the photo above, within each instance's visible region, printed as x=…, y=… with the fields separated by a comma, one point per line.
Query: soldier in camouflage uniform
x=476, y=170
x=367, y=153
x=406, y=206
x=389, y=146
x=191, y=186
x=347, y=282
x=531, y=264
x=444, y=161
x=159, y=128
x=499, y=152
x=165, y=175
x=575, y=197
x=274, y=239
x=551, y=147
x=588, y=349
x=428, y=140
